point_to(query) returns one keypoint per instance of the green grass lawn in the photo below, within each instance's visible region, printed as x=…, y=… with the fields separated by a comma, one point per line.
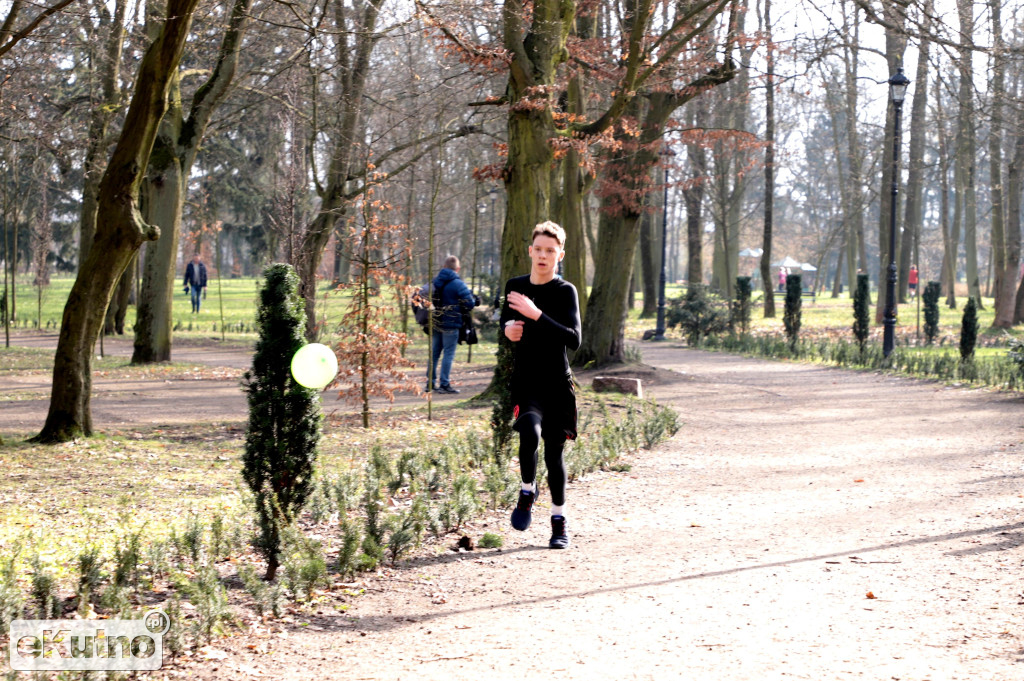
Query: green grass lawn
x=239, y=308
x=237, y=297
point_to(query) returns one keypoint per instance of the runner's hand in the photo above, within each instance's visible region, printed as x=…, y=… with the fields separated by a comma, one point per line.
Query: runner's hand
x=514, y=331
x=523, y=305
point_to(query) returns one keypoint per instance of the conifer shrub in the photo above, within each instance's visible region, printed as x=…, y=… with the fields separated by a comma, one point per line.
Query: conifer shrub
x=861, y=312
x=698, y=314
x=207, y=594
x=791, y=317
x=501, y=412
x=969, y=330
x=284, y=417
x=1016, y=355
x=931, y=310
x=44, y=589
x=741, y=306
x=348, y=551
x=266, y=598
x=491, y=540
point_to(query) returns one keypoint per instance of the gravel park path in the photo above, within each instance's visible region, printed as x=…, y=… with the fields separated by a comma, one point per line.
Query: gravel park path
x=805, y=523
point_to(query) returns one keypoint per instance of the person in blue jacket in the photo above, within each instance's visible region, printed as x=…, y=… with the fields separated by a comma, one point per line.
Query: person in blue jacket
x=451, y=297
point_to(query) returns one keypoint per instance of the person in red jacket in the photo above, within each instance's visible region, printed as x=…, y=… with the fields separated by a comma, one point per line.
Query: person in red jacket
x=912, y=281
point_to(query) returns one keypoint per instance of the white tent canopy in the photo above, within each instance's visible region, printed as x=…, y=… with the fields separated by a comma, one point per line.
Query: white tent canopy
x=787, y=262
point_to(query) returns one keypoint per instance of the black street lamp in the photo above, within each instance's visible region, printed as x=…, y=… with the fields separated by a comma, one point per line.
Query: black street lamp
x=897, y=92
x=659, y=331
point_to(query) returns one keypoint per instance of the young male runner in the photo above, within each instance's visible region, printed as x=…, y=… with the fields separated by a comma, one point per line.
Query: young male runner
x=541, y=316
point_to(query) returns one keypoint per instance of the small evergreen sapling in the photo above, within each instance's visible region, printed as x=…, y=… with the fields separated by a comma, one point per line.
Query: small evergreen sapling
x=969, y=330
x=931, y=310
x=792, y=316
x=861, y=313
x=284, y=417
x=698, y=314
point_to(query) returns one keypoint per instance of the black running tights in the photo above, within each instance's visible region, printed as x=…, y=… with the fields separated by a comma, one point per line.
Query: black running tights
x=529, y=442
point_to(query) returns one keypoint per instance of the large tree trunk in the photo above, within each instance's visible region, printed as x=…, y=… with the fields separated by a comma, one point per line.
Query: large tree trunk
x=604, y=342
x=1014, y=186
x=164, y=194
x=162, y=200
x=895, y=45
x=966, y=167
x=693, y=197
x=117, y=310
x=950, y=233
x=102, y=114
x=729, y=178
x=769, y=167
x=119, y=233
x=576, y=180
x=650, y=257
x=913, y=219
x=619, y=225
x=1005, y=245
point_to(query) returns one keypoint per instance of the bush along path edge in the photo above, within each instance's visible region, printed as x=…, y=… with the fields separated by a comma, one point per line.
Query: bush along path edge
x=1004, y=372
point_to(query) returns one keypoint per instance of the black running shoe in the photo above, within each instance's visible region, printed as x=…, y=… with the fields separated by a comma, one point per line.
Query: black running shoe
x=448, y=390
x=559, y=536
x=523, y=512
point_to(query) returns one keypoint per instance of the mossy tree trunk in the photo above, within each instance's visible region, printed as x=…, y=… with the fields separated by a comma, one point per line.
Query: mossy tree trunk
x=102, y=113
x=165, y=189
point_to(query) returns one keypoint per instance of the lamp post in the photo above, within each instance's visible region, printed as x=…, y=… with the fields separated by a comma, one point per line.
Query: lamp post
x=490, y=259
x=659, y=331
x=897, y=91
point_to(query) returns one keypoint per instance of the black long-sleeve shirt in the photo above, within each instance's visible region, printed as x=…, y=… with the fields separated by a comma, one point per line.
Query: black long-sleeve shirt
x=541, y=353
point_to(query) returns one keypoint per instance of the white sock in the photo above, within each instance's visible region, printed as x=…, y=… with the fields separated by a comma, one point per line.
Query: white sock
x=557, y=510
x=528, y=487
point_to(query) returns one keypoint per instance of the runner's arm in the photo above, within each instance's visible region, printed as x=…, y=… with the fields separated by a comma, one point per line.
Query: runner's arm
x=571, y=333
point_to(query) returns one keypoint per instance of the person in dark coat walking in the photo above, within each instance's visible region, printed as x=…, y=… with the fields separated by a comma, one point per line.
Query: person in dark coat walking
x=451, y=298
x=195, y=280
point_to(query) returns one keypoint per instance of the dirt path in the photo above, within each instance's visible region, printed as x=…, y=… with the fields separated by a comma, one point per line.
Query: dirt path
x=177, y=400
x=745, y=548
x=805, y=523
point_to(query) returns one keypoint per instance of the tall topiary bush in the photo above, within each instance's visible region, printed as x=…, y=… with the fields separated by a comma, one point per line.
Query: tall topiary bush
x=861, y=312
x=791, y=316
x=931, y=310
x=969, y=330
x=741, y=306
x=284, y=417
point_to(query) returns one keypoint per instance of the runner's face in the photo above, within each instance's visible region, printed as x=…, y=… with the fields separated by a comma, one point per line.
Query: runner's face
x=545, y=254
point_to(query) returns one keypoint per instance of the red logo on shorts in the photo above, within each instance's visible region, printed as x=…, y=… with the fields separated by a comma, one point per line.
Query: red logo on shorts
x=515, y=412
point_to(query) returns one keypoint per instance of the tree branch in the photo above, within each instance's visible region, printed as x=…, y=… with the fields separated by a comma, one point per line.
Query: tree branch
x=31, y=26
